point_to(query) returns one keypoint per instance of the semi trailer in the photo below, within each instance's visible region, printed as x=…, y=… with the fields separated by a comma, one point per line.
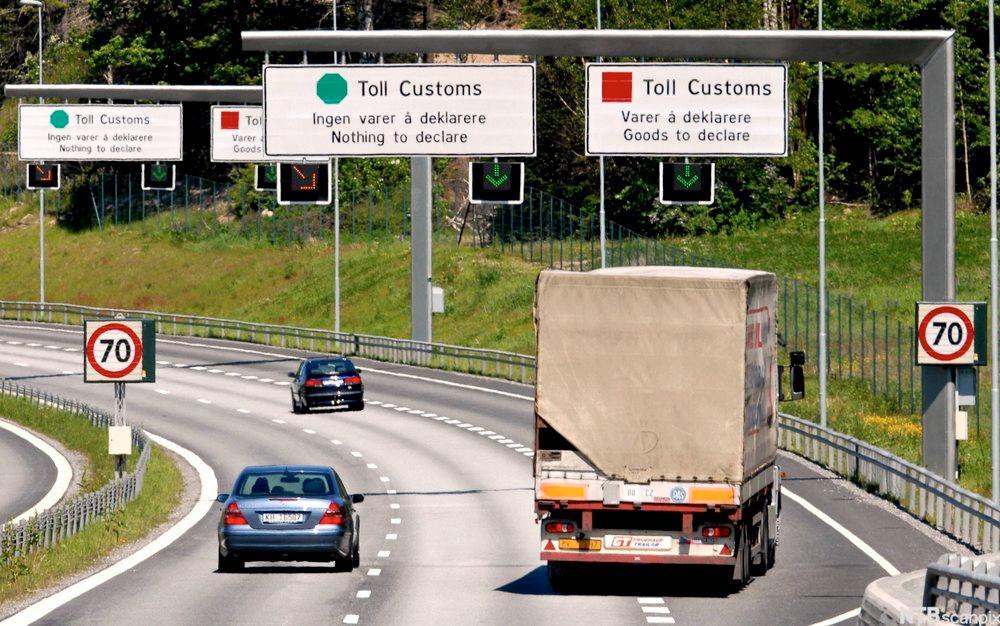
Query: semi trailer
x=656, y=419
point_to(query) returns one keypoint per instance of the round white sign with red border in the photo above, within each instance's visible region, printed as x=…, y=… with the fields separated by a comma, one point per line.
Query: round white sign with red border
x=945, y=334
x=113, y=351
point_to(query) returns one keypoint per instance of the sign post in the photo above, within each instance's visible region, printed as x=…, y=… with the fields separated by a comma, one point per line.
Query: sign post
x=119, y=351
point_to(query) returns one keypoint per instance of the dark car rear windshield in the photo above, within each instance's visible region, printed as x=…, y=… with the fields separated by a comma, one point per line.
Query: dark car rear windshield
x=306, y=484
x=328, y=368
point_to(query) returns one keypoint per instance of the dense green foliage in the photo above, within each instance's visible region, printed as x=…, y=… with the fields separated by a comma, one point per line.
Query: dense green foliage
x=873, y=111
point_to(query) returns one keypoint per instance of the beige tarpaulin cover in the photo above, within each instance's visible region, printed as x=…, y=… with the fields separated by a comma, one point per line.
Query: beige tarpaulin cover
x=660, y=373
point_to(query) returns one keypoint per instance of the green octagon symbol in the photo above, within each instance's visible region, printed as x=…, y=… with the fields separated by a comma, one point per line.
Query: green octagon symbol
x=331, y=88
x=59, y=118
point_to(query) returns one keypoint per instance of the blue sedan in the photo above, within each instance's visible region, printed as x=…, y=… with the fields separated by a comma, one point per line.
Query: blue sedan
x=289, y=513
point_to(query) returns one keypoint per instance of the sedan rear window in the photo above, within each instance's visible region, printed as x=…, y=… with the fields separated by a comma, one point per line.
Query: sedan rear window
x=328, y=368
x=295, y=484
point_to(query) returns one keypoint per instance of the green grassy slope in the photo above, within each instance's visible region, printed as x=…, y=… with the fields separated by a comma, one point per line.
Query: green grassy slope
x=487, y=296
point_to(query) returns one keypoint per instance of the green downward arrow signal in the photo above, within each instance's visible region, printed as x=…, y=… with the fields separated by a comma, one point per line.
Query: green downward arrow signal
x=270, y=174
x=687, y=179
x=159, y=173
x=496, y=179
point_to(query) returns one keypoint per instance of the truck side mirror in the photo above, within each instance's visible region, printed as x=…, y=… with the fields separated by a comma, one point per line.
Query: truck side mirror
x=798, y=382
x=796, y=375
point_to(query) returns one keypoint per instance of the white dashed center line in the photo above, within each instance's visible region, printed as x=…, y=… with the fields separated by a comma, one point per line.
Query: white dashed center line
x=363, y=593
x=277, y=421
x=242, y=411
x=309, y=431
x=374, y=571
x=204, y=401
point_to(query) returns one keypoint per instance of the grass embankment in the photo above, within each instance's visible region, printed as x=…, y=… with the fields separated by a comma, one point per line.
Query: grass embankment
x=489, y=296
x=161, y=493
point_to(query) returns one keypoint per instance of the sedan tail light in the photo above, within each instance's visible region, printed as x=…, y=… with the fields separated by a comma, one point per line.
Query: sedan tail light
x=716, y=531
x=314, y=382
x=352, y=380
x=333, y=515
x=558, y=527
x=234, y=516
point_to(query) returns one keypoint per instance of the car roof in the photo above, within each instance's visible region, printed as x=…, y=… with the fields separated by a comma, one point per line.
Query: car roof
x=286, y=468
x=326, y=358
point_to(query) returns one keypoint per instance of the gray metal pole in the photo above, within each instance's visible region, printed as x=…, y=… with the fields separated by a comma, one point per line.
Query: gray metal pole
x=41, y=192
x=994, y=331
x=937, y=80
x=604, y=248
x=420, y=245
x=822, y=245
x=336, y=217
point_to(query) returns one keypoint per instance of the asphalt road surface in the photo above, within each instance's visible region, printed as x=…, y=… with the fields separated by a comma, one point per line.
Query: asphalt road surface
x=448, y=529
x=26, y=475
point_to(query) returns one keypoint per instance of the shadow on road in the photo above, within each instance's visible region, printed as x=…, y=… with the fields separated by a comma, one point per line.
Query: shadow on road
x=630, y=580
x=286, y=569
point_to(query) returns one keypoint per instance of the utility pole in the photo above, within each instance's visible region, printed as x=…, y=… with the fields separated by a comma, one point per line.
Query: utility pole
x=994, y=331
x=41, y=192
x=822, y=244
x=604, y=251
x=336, y=216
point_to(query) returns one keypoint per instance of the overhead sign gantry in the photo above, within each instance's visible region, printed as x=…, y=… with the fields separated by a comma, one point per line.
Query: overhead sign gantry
x=933, y=51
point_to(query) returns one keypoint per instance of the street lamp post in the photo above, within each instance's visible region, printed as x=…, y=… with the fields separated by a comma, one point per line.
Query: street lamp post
x=336, y=217
x=41, y=192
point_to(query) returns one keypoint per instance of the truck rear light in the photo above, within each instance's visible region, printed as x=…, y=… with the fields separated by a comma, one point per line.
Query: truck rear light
x=716, y=531
x=234, y=516
x=558, y=527
x=333, y=515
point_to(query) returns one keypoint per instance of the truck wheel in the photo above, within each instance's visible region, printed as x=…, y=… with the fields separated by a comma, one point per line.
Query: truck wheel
x=560, y=577
x=772, y=547
x=741, y=569
x=763, y=562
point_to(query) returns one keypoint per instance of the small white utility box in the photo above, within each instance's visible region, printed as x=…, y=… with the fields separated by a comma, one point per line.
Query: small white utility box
x=961, y=426
x=119, y=440
x=437, y=300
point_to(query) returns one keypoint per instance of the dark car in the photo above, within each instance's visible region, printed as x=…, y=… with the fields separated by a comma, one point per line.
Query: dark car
x=289, y=513
x=327, y=382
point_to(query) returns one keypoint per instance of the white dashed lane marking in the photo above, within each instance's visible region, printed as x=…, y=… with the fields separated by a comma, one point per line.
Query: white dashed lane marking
x=351, y=619
x=242, y=411
x=277, y=421
x=204, y=401
x=363, y=593
x=374, y=571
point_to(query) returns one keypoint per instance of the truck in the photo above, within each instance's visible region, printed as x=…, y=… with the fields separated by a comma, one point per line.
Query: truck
x=656, y=419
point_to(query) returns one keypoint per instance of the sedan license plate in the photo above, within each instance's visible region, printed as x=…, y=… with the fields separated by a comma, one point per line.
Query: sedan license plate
x=579, y=544
x=281, y=518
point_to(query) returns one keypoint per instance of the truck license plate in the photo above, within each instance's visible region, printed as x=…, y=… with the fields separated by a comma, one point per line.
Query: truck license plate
x=281, y=518
x=579, y=544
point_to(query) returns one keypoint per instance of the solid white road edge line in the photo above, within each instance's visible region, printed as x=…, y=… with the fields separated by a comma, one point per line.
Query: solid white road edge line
x=288, y=356
x=209, y=489
x=832, y=523
x=64, y=471
x=843, y=617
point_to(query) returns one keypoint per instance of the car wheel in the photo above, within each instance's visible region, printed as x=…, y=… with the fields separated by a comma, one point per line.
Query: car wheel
x=296, y=407
x=358, y=406
x=230, y=563
x=356, y=553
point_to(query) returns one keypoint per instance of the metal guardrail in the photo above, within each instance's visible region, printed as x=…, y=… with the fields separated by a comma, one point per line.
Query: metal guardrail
x=65, y=520
x=497, y=363
x=965, y=515
x=957, y=585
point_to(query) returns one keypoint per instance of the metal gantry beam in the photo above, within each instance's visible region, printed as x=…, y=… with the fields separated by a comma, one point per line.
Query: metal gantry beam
x=847, y=46
x=931, y=50
x=231, y=94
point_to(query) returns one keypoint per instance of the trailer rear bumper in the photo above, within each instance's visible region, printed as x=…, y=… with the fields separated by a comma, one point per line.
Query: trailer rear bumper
x=664, y=559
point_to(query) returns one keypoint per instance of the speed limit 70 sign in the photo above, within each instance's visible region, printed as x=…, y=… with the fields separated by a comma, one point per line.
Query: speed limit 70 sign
x=951, y=333
x=119, y=351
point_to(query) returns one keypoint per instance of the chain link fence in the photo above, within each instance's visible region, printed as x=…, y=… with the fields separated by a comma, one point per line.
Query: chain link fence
x=67, y=519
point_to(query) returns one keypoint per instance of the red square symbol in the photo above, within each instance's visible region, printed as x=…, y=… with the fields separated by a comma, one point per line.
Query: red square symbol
x=230, y=120
x=616, y=87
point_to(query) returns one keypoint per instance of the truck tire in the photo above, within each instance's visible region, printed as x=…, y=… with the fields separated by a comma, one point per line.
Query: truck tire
x=772, y=547
x=741, y=569
x=560, y=577
x=763, y=562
